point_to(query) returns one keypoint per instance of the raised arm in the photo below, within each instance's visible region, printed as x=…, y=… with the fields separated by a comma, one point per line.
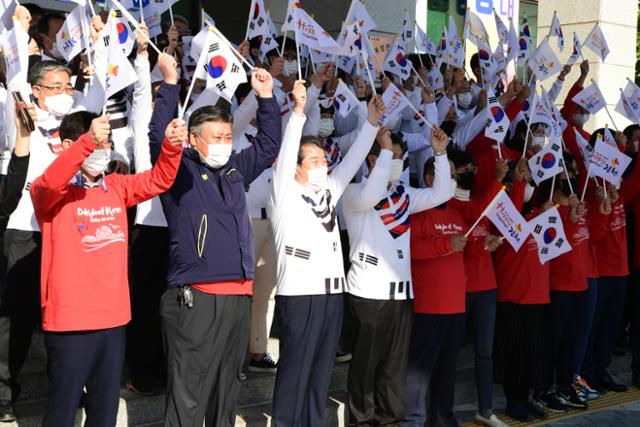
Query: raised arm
x=284, y=170
x=351, y=162
x=166, y=103
x=366, y=196
x=141, y=105
x=253, y=160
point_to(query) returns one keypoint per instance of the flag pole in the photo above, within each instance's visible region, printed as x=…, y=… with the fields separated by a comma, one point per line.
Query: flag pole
x=284, y=42
x=484, y=212
x=418, y=75
x=298, y=57
x=366, y=66
x=524, y=149
x=553, y=185
x=93, y=11
x=127, y=16
x=141, y=13
x=564, y=166
x=201, y=63
x=170, y=11
x=233, y=49
x=586, y=184
x=604, y=187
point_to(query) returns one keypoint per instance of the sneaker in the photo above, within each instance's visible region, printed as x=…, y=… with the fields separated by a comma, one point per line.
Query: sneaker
x=243, y=376
x=609, y=383
x=549, y=402
x=7, y=414
x=266, y=364
x=492, y=421
x=570, y=398
x=587, y=392
x=342, y=356
x=519, y=413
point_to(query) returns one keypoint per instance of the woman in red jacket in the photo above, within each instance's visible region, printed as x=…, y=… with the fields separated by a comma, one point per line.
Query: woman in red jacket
x=522, y=354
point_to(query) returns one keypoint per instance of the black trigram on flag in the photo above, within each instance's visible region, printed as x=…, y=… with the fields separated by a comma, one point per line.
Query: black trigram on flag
x=555, y=147
x=553, y=219
x=544, y=250
x=260, y=21
x=392, y=64
x=537, y=229
x=235, y=68
x=560, y=242
x=499, y=129
x=213, y=47
x=221, y=86
x=540, y=174
x=341, y=97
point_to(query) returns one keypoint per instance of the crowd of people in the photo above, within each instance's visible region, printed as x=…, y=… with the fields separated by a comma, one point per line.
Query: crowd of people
x=134, y=237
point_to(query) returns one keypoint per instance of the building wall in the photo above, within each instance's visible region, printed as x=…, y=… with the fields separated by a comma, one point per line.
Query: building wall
x=619, y=27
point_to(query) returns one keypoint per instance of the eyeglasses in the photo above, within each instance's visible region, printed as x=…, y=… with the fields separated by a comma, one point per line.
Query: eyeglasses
x=57, y=90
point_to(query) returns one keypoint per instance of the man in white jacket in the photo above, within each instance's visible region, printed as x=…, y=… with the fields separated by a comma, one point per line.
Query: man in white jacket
x=377, y=212
x=302, y=209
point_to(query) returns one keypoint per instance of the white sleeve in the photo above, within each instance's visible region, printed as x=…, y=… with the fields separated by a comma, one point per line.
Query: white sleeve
x=245, y=112
x=141, y=111
x=555, y=89
x=364, y=196
x=465, y=133
x=284, y=170
x=427, y=198
x=443, y=108
x=313, y=93
x=415, y=141
x=351, y=162
x=431, y=114
x=312, y=111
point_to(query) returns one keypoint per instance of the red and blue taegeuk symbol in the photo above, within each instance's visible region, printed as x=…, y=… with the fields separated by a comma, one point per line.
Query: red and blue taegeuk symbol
x=497, y=113
x=548, y=160
x=123, y=32
x=401, y=60
x=549, y=235
x=217, y=65
x=256, y=11
x=483, y=55
x=523, y=43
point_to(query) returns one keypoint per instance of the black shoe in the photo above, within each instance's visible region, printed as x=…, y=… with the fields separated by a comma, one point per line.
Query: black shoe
x=266, y=364
x=537, y=413
x=549, y=402
x=611, y=384
x=570, y=398
x=7, y=413
x=342, y=356
x=635, y=381
x=519, y=412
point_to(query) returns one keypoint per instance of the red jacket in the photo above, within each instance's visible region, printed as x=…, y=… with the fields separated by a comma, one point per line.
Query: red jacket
x=84, y=282
x=478, y=264
x=520, y=276
x=438, y=274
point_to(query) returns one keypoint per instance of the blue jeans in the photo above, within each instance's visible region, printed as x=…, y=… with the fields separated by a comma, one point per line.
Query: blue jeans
x=605, y=327
x=572, y=315
x=481, y=314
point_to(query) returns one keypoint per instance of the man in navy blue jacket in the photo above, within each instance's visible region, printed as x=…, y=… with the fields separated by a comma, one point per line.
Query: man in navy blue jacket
x=206, y=310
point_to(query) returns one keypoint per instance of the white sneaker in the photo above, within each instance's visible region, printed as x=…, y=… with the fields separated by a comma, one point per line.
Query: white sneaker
x=492, y=421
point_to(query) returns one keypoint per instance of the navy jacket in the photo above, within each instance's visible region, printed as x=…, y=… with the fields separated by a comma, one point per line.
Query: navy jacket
x=209, y=230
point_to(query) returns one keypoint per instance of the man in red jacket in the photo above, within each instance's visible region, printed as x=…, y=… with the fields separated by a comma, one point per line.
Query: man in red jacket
x=84, y=287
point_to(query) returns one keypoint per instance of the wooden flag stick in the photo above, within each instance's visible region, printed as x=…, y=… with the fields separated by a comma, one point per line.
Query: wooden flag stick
x=484, y=212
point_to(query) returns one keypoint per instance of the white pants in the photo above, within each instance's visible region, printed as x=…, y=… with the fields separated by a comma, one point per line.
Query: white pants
x=264, y=285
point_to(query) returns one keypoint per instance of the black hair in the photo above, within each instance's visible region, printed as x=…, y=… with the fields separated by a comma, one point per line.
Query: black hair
x=206, y=114
x=429, y=166
x=76, y=124
x=459, y=157
x=629, y=130
x=242, y=91
x=45, y=22
x=594, y=136
x=375, y=148
x=33, y=9
x=308, y=140
x=475, y=61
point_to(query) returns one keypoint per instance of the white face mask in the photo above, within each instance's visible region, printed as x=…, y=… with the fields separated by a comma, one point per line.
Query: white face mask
x=528, y=192
x=218, y=156
x=397, y=166
x=317, y=178
x=59, y=105
x=464, y=100
x=290, y=67
x=538, y=141
x=580, y=119
x=97, y=162
x=326, y=128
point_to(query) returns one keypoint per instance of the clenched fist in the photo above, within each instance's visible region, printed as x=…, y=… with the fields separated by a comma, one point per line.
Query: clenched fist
x=100, y=130
x=176, y=133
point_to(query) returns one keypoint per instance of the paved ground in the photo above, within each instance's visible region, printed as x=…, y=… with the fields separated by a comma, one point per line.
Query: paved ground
x=622, y=416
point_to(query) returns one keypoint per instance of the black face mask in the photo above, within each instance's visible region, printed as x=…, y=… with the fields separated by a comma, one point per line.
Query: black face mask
x=466, y=180
x=448, y=127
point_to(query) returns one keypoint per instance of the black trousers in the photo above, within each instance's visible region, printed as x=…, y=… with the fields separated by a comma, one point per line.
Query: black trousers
x=77, y=359
x=149, y=258
x=19, y=306
x=377, y=374
x=205, y=346
x=309, y=332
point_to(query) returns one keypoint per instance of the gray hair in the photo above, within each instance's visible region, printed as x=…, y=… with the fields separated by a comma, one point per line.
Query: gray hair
x=208, y=114
x=40, y=70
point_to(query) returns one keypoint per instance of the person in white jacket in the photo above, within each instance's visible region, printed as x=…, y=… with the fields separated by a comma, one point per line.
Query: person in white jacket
x=377, y=212
x=302, y=210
